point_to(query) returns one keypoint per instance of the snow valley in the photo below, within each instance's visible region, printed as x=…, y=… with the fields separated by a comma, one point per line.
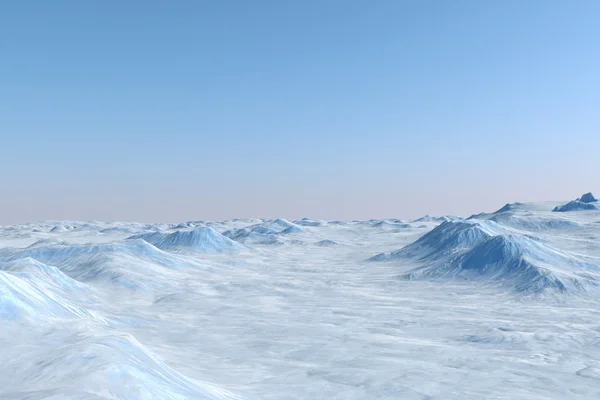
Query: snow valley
x=499, y=305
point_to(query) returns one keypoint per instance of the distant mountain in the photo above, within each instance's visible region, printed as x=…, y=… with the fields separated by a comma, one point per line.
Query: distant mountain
x=203, y=239
x=485, y=250
x=266, y=232
x=585, y=202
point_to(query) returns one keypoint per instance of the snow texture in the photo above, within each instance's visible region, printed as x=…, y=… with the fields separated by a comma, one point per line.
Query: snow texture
x=501, y=305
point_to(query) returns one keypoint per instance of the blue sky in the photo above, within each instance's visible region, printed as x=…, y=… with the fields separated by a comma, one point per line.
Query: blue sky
x=166, y=111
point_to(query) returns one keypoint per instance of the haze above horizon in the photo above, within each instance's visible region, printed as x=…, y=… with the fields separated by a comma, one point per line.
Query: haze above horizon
x=354, y=109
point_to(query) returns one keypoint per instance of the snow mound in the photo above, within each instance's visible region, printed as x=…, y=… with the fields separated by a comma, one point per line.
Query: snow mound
x=203, y=239
x=447, y=238
x=326, y=243
x=291, y=229
x=309, y=222
x=263, y=233
x=509, y=207
x=393, y=225
x=256, y=234
x=585, y=202
x=519, y=262
x=270, y=241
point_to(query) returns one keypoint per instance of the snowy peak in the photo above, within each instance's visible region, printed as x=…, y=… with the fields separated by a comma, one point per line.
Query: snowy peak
x=586, y=202
x=521, y=263
x=495, y=256
x=447, y=238
x=291, y=229
x=508, y=207
x=588, y=198
x=455, y=235
x=501, y=249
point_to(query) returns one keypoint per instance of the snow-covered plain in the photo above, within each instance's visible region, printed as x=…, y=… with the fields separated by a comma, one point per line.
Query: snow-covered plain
x=499, y=305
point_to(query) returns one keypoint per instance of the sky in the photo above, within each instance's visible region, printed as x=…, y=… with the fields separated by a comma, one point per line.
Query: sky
x=334, y=109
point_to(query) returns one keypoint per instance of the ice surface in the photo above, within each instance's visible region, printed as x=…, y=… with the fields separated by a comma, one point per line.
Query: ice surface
x=503, y=305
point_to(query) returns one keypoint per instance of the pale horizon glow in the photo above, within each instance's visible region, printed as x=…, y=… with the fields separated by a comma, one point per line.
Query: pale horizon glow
x=345, y=110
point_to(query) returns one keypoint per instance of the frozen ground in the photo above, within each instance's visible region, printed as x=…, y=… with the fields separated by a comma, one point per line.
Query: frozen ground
x=502, y=305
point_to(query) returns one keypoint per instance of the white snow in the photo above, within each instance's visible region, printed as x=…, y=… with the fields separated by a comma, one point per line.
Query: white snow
x=502, y=305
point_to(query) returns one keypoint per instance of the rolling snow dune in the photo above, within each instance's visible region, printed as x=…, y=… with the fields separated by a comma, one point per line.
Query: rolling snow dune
x=576, y=205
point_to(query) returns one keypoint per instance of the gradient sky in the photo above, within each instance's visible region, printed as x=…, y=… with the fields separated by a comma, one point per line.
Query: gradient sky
x=335, y=109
